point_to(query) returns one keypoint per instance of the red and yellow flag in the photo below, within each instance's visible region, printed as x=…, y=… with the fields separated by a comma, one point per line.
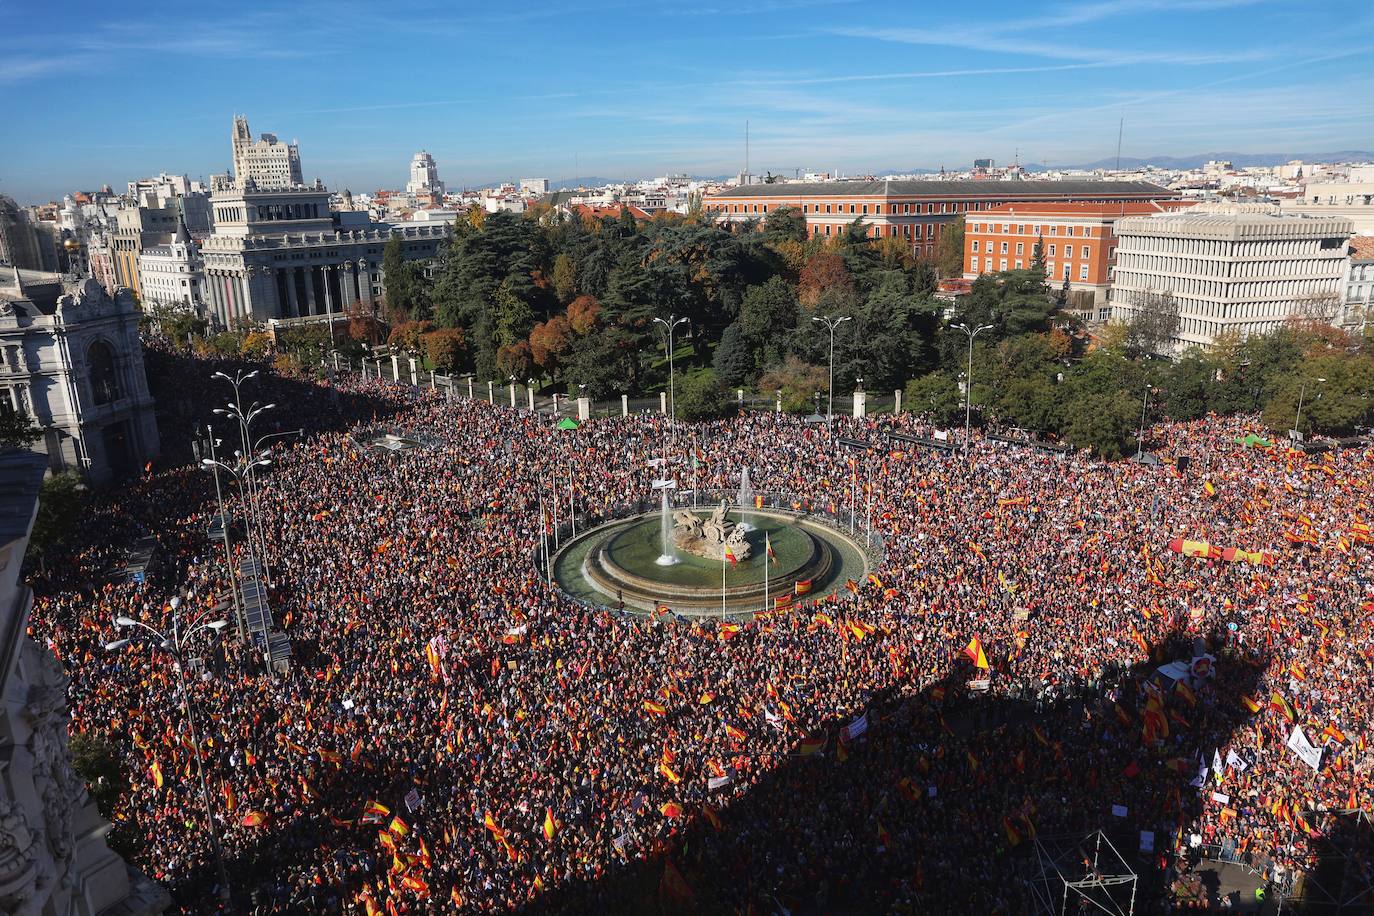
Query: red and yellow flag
x=550, y=827
x=975, y=653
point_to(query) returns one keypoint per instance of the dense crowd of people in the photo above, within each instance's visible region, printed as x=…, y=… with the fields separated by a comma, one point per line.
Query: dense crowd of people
x=454, y=734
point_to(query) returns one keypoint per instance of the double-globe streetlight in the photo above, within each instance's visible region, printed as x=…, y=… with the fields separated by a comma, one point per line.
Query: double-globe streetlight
x=968, y=379
x=831, y=322
x=235, y=410
x=174, y=643
x=670, y=324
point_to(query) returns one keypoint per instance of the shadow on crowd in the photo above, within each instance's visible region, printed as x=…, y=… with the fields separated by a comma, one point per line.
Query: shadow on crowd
x=959, y=804
x=184, y=388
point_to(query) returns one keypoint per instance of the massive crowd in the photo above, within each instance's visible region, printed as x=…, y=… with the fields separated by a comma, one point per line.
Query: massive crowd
x=455, y=735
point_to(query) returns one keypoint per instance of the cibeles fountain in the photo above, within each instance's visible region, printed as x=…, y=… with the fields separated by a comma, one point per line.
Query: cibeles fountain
x=720, y=558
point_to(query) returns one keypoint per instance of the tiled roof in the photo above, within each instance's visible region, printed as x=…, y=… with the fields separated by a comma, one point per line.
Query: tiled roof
x=1362, y=248
x=1030, y=190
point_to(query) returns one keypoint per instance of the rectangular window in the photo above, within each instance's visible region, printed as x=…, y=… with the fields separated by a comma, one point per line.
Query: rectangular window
x=1020, y=247
x=987, y=264
x=1018, y=264
x=865, y=208
x=1082, y=271
x=1068, y=251
x=851, y=208
x=906, y=208
x=1054, y=230
x=1004, y=263
x=1049, y=269
x=975, y=244
x=1068, y=230
x=827, y=230
x=1052, y=249
x=827, y=210
x=1004, y=248
x=1066, y=271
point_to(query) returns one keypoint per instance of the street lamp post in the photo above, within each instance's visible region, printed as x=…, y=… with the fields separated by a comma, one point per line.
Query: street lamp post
x=831, y=322
x=968, y=381
x=174, y=643
x=245, y=420
x=1297, y=422
x=1140, y=437
x=670, y=324
x=224, y=530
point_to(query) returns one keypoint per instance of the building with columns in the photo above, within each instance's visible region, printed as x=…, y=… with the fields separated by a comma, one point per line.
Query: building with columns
x=73, y=361
x=283, y=254
x=1231, y=268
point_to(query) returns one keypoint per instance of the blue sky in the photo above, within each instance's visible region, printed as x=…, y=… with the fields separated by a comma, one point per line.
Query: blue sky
x=105, y=92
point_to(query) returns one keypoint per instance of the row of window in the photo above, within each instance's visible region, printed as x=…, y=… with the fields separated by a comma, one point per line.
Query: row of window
x=1029, y=229
x=1020, y=264
x=906, y=209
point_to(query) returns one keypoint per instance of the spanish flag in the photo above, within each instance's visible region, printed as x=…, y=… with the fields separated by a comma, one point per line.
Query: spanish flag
x=155, y=771
x=670, y=809
x=1209, y=489
x=860, y=629
x=656, y=709
x=803, y=586
x=768, y=548
x=1250, y=704
x=727, y=631
x=550, y=828
x=758, y=502
x=712, y=817
x=975, y=653
x=1013, y=835
x=851, y=585
x=811, y=746
x=730, y=555
x=1140, y=641
x=490, y=823
x=398, y=826
x=254, y=819
x=1279, y=704
x=667, y=773
x=781, y=602
x=873, y=578
x=734, y=732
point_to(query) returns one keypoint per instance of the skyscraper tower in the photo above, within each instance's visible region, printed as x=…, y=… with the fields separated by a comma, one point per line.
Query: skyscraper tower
x=424, y=176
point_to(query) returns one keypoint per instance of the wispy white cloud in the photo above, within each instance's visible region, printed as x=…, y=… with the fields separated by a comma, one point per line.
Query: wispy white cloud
x=18, y=69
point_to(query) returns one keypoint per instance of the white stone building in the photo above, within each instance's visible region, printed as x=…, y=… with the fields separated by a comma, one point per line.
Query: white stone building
x=172, y=273
x=73, y=361
x=267, y=163
x=424, y=177
x=1353, y=200
x=53, y=856
x=1230, y=268
x=284, y=254
x=1359, y=283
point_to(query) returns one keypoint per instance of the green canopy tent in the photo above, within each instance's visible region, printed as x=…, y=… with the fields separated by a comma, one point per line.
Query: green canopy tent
x=567, y=423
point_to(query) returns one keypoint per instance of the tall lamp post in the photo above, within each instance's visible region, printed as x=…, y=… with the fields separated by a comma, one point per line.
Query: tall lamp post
x=214, y=467
x=1140, y=436
x=174, y=643
x=670, y=324
x=831, y=322
x=1297, y=422
x=968, y=381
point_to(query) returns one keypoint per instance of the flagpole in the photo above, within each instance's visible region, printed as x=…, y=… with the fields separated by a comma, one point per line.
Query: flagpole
x=766, y=548
x=723, y=548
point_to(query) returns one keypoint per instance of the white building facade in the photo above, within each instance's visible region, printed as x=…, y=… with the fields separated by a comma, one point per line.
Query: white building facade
x=1241, y=269
x=424, y=177
x=284, y=254
x=73, y=361
x=172, y=273
x=264, y=163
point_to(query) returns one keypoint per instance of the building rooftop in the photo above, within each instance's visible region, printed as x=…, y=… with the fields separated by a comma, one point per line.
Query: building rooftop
x=1084, y=208
x=961, y=189
x=1362, y=248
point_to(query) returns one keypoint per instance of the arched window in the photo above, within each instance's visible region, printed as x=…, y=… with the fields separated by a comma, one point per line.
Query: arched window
x=104, y=378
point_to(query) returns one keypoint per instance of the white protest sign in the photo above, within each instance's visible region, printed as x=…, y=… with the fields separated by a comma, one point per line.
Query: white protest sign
x=1298, y=744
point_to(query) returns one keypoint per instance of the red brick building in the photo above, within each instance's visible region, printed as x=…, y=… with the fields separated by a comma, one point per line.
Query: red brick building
x=916, y=211
x=1079, y=246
